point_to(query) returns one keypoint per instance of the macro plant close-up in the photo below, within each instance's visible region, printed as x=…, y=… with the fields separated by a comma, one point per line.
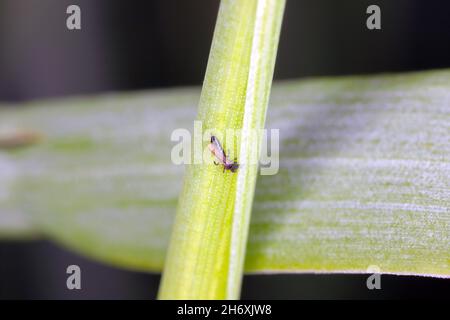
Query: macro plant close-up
x=146, y=154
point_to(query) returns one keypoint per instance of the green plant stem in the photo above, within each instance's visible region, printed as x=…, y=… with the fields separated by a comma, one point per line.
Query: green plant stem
x=207, y=248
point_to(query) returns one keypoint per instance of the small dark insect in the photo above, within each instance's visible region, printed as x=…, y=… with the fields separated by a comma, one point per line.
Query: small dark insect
x=220, y=155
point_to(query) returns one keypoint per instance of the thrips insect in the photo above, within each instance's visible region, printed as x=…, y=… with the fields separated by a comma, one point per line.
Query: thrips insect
x=219, y=153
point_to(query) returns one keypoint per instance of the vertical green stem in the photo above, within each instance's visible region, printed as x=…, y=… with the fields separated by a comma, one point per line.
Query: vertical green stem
x=207, y=248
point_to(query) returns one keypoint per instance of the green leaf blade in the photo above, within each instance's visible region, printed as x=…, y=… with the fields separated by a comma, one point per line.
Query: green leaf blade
x=363, y=176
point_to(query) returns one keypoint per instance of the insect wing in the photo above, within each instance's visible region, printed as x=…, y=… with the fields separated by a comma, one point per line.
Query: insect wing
x=217, y=145
x=218, y=153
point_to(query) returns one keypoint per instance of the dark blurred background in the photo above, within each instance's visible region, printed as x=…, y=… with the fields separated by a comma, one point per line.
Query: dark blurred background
x=129, y=45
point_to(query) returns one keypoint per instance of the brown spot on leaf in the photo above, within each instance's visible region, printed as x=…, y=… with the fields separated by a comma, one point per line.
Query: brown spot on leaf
x=19, y=138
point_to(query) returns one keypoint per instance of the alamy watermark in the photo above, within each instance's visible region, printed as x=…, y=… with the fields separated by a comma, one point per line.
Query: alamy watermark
x=373, y=22
x=73, y=21
x=74, y=280
x=264, y=146
x=374, y=280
